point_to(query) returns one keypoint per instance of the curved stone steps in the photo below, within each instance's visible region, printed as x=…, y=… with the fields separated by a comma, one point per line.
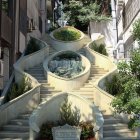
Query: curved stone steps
x=87, y=90
x=16, y=128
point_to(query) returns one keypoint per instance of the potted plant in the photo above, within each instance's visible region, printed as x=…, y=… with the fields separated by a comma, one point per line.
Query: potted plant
x=87, y=132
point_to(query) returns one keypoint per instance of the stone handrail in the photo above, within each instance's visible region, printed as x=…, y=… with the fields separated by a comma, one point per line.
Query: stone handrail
x=29, y=100
x=49, y=111
x=101, y=97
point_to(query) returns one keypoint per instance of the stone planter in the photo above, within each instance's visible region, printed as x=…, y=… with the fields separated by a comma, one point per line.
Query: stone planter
x=68, y=83
x=67, y=45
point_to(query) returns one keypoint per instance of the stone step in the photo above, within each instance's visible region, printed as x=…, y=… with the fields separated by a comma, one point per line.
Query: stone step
x=45, y=84
x=24, y=116
x=46, y=87
x=107, y=116
x=86, y=94
x=13, y=134
x=13, y=139
x=49, y=91
x=42, y=96
x=117, y=126
x=88, y=85
x=32, y=72
x=35, y=71
x=95, y=66
x=91, y=81
x=112, y=121
x=119, y=133
x=45, y=98
x=81, y=92
x=93, y=75
x=21, y=122
x=40, y=77
x=15, y=128
x=97, y=69
x=86, y=89
x=97, y=72
x=43, y=81
x=36, y=68
x=121, y=138
x=38, y=74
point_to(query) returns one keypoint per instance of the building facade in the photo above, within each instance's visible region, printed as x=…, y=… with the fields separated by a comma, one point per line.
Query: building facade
x=19, y=19
x=127, y=12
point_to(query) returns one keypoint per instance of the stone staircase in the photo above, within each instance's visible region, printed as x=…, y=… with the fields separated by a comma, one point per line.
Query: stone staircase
x=17, y=129
x=116, y=129
x=113, y=128
x=87, y=90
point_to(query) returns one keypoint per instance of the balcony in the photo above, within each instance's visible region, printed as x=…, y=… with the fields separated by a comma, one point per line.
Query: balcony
x=6, y=28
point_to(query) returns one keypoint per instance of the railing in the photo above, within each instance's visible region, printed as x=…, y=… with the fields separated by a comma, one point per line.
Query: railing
x=101, y=98
x=29, y=100
x=6, y=27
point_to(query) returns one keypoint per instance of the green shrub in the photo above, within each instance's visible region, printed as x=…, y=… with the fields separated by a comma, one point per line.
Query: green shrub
x=99, y=48
x=136, y=30
x=19, y=89
x=113, y=86
x=87, y=130
x=46, y=131
x=69, y=116
x=67, y=34
x=128, y=101
x=32, y=47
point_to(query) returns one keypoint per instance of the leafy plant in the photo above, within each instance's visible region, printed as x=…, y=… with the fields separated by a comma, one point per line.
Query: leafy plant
x=136, y=30
x=67, y=34
x=113, y=86
x=87, y=130
x=80, y=12
x=99, y=48
x=19, y=89
x=46, y=131
x=32, y=47
x=128, y=101
x=68, y=115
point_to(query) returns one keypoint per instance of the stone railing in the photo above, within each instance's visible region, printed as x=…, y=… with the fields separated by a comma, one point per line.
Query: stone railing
x=50, y=111
x=101, y=97
x=29, y=100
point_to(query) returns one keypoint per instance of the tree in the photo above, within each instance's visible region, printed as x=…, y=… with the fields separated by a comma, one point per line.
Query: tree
x=129, y=99
x=80, y=12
